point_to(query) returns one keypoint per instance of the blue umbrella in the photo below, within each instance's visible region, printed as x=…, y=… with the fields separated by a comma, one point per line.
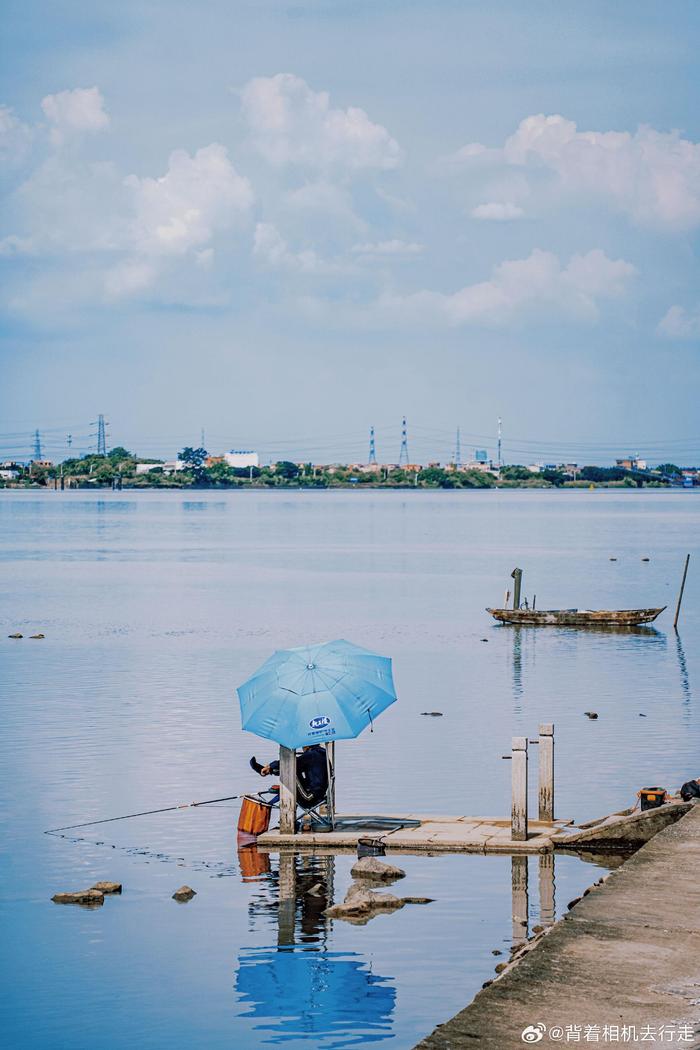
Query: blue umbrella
x=316, y=693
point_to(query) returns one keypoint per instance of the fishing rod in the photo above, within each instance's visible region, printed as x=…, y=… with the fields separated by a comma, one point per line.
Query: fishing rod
x=144, y=813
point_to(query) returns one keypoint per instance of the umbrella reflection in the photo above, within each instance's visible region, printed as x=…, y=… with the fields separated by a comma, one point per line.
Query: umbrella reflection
x=297, y=989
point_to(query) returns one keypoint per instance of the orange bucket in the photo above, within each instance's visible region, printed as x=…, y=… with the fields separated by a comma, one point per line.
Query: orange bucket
x=254, y=818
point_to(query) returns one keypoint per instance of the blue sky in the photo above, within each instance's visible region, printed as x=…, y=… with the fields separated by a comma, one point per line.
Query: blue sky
x=286, y=222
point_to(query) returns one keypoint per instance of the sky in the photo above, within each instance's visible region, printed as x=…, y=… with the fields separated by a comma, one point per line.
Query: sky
x=283, y=223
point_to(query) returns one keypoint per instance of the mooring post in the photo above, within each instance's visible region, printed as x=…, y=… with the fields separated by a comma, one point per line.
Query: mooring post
x=680, y=596
x=330, y=752
x=517, y=575
x=546, y=771
x=520, y=906
x=288, y=790
x=518, y=812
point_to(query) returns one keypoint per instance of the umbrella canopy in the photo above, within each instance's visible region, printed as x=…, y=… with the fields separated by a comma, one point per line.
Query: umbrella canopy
x=316, y=693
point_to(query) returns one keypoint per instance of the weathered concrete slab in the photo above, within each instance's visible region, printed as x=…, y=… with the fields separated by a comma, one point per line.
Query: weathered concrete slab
x=627, y=954
x=435, y=834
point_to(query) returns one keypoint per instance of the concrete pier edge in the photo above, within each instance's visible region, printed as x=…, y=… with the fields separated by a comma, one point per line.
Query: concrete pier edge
x=627, y=953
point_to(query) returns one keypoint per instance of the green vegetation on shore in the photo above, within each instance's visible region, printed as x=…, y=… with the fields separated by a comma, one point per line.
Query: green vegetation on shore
x=119, y=468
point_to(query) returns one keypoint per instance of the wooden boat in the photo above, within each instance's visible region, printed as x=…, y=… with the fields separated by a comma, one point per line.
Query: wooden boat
x=576, y=617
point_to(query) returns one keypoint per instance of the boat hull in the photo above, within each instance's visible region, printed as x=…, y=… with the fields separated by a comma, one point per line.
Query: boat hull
x=576, y=617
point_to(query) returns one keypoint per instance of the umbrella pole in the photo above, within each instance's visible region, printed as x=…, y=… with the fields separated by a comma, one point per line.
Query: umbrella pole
x=288, y=790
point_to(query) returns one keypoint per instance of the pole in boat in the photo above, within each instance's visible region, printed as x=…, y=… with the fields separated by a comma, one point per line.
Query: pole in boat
x=517, y=575
x=680, y=596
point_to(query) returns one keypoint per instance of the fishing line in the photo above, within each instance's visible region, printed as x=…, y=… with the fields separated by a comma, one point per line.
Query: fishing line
x=143, y=813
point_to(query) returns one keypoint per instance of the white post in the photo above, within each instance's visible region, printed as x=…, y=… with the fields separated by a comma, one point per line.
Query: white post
x=518, y=812
x=330, y=751
x=546, y=771
x=288, y=790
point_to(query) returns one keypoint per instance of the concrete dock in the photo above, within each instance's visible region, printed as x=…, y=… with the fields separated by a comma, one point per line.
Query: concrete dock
x=623, y=966
x=435, y=834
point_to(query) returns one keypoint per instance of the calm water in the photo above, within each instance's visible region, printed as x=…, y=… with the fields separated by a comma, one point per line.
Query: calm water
x=155, y=605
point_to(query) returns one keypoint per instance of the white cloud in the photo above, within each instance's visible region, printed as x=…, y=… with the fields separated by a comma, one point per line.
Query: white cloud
x=182, y=209
x=14, y=137
x=271, y=248
x=652, y=176
x=498, y=211
x=75, y=112
x=292, y=124
x=679, y=323
x=538, y=287
x=385, y=248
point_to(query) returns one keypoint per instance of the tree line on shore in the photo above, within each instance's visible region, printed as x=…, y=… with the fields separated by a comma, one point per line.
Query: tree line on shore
x=118, y=468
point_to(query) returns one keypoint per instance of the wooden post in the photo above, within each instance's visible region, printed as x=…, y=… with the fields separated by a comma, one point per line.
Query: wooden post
x=518, y=871
x=517, y=575
x=547, y=907
x=288, y=790
x=330, y=751
x=518, y=812
x=680, y=596
x=546, y=771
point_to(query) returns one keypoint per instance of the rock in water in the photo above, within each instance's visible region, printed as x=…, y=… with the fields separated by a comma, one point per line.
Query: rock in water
x=37, y=635
x=108, y=887
x=185, y=893
x=89, y=897
x=418, y=900
x=361, y=904
x=591, y=714
x=374, y=870
x=432, y=714
x=16, y=635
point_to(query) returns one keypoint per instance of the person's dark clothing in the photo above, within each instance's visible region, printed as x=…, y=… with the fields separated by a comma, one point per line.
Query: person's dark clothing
x=312, y=775
x=691, y=789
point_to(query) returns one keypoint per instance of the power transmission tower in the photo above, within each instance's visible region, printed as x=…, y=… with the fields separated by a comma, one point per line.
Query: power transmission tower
x=458, y=451
x=101, y=436
x=403, y=454
x=372, y=447
x=69, y=440
x=500, y=462
x=37, y=446
x=201, y=443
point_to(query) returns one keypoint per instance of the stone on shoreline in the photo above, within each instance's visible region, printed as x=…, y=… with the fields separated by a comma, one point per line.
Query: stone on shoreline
x=185, y=893
x=373, y=870
x=91, y=897
x=107, y=887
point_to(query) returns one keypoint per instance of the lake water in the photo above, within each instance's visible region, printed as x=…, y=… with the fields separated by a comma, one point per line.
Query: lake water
x=155, y=605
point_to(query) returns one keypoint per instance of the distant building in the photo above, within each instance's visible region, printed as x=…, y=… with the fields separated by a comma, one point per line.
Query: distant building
x=146, y=468
x=9, y=473
x=481, y=455
x=539, y=468
x=631, y=463
x=45, y=464
x=238, y=457
x=211, y=461
x=484, y=465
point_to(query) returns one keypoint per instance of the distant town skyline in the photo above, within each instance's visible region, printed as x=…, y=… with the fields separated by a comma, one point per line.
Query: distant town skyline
x=288, y=222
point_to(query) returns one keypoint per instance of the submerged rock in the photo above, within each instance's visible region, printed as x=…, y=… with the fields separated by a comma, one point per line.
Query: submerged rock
x=89, y=897
x=108, y=887
x=417, y=900
x=185, y=893
x=361, y=904
x=432, y=714
x=373, y=870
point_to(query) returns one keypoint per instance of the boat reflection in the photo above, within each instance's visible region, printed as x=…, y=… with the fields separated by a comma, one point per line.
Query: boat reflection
x=297, y=989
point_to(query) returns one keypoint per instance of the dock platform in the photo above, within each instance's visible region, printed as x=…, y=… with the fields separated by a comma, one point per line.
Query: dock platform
x=435, y=834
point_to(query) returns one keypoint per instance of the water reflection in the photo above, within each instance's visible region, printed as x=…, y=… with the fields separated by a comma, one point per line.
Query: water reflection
x=298, y=989
x=685, y=680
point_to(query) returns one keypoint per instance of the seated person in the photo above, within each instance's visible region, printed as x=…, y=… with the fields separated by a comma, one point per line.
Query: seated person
x=690, y=790
x=312, y=774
